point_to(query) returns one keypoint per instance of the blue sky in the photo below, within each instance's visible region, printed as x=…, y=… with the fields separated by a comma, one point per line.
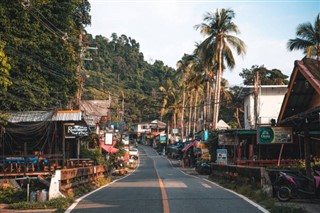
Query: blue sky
x=165, y=28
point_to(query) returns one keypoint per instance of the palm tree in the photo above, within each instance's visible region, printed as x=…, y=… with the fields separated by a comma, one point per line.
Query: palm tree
x=184, y=66
x=218, y=41
x=170, y=102
x=308, y=39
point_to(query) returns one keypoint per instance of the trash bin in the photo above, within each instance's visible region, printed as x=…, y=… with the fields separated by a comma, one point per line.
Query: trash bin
x=42, y=195
x=33, y=196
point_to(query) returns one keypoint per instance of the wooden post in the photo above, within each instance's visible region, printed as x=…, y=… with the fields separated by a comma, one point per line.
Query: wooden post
x=307, y=151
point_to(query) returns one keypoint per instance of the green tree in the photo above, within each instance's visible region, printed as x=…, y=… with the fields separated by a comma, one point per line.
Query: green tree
x=308, y=39
x=266, y=76
x=217, y=27
x=42, y=50
x=4, y=69
x=183, y=66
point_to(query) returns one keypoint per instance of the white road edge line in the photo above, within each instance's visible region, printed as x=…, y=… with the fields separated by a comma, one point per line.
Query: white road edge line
x=75, y=203
x=229, y=190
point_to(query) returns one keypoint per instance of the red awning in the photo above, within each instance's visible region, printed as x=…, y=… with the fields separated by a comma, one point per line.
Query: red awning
x=193, y=143
x=109, y=148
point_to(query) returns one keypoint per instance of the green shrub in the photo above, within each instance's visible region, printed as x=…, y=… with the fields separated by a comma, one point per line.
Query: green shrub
x=12, y=195
x=57, y=203
x=287, y=209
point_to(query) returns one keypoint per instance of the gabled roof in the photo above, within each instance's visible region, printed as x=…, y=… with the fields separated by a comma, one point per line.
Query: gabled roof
x=304, y=84
x=95, y=107
x=93, y=110
x=159, y=124
x=222, y=125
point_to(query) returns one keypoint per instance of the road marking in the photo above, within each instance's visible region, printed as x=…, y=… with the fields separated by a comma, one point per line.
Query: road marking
x=174, y=184
x=205, y=185
x=164, y=195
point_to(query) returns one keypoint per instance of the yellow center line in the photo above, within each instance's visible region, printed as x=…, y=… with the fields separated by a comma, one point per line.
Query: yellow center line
x=165, y=201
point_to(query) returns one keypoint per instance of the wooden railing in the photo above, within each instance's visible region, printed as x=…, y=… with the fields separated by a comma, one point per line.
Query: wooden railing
x=77, y=176
x=266, y=163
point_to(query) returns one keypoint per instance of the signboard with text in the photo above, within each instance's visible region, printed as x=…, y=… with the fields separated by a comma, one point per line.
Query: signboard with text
x=222, y=156
x=175, y=131
x=274, y=135
x=72, y=131
x=108, y=138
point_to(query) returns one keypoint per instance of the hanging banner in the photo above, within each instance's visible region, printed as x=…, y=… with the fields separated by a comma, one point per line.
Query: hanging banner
x=274, y=135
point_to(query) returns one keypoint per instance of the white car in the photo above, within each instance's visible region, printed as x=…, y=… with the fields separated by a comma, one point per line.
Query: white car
x=134, y=153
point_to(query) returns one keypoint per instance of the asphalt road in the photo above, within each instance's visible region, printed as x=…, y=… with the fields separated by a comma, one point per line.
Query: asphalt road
x=156, y=186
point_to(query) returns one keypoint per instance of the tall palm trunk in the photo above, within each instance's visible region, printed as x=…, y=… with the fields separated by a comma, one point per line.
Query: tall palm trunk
x=195, y=114
x=207, y=101
x=190, y=113
x=182, y=112
x=218, y=85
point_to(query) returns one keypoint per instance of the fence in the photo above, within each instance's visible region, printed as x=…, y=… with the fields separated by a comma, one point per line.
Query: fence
x=255, y=176
x=65, y=179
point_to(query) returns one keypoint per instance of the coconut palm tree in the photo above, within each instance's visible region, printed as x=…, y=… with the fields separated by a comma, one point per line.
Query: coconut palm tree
x=217, y=28
x=183, y=66
x=308, y=39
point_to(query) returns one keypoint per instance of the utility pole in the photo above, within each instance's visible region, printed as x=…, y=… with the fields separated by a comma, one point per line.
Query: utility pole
x=256, y=93
x=79, y=91
x=110, y=107
x=80, y=78
x=122, y=117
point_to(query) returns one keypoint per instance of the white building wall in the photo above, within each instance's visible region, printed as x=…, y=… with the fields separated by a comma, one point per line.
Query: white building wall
x=269, y=105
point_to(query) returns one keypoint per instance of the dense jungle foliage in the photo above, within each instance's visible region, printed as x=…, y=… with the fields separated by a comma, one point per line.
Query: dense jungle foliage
x=44, y=61
x=48, y=61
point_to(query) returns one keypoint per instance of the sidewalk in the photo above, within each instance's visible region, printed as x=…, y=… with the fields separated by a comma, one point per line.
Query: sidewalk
x=310, y=206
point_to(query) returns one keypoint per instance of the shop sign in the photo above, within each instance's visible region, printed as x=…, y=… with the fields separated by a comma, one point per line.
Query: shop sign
x=205, y=135
x=108, y=138
x=76, y=131
x=175, y=131
x=274, y=135
x=222, y=156
x=163, y=139
x=205, y=154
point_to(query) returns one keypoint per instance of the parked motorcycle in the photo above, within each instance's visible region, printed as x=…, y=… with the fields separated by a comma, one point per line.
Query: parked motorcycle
x=290, y=185
x=203, y=168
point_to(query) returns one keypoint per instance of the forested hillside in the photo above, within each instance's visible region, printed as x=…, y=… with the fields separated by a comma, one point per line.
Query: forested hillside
x=46, y=60
x=117, y=70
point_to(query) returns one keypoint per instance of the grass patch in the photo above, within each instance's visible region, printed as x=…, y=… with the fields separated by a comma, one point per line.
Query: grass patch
x=257, y=195
x=12, y=195
x=57, y=203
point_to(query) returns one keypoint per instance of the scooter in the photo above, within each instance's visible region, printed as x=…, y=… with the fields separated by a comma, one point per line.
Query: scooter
x=291, y=185
x=203, y=168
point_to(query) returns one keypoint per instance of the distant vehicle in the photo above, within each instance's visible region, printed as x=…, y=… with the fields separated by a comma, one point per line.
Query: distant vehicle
x=134, y=152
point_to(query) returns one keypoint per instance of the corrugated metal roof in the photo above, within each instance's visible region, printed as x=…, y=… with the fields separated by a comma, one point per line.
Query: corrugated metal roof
x=67, y=115
x=95, y=107
x=29, y=116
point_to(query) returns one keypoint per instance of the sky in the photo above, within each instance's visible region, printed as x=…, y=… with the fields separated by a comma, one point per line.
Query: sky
x=165, y=28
